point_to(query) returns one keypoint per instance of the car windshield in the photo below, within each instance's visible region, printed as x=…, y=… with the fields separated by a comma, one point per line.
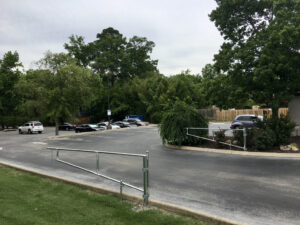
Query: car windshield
x=38, y=124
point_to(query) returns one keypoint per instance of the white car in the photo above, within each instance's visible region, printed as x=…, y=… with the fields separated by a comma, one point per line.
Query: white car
x=31, y=127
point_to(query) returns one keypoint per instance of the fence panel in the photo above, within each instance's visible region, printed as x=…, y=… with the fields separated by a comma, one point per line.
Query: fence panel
x=229, y=115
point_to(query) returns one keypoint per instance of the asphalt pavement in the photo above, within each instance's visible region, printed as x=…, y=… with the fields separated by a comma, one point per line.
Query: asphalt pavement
x=250, y=190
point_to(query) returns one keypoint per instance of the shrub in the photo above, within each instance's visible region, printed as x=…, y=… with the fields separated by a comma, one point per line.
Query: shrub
x=282, y=128
x=174, y=121
x=264, y=139
x=238, y=135
x=220, y=136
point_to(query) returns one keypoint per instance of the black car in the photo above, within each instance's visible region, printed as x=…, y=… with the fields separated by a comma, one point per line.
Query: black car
x=66, y=126
x=87, y=128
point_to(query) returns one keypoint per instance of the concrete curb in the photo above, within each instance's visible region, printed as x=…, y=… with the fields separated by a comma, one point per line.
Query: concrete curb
x=231, y=152
x=158, y=204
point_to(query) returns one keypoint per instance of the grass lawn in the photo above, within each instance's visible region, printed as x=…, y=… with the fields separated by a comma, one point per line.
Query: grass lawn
x=30, y=199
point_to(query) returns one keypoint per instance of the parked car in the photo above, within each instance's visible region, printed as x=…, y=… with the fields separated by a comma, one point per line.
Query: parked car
x=105, y=124
x=136, y=121
x=31, y=127
x=66, y=126
x=246, y=121
x=87, y=128
x=123, y=124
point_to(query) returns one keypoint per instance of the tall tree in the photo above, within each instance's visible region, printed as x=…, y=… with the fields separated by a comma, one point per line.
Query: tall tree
x=261, y=52
x=9, y=76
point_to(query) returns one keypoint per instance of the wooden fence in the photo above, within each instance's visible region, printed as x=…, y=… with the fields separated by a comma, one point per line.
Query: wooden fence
x=229, y=115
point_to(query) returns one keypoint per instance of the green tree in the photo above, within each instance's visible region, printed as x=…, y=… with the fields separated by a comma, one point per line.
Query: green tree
x=9, y=76
x=79, y=50
x=218, y=89
x=112, y=55
x=60, y=90
x=174, y=121
x=261, y=52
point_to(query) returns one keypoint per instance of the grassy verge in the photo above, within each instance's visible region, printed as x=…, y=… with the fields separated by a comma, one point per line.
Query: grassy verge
x=29, y=199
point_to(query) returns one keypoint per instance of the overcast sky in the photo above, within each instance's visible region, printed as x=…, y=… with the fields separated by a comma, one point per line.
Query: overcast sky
x=185, y=38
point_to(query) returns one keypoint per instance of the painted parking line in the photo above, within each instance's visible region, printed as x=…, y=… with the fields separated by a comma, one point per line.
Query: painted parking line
x=1, y=148
x=39, y=143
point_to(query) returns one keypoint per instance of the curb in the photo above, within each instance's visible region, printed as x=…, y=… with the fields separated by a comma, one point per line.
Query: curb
x=161, y=205
x=232, y=152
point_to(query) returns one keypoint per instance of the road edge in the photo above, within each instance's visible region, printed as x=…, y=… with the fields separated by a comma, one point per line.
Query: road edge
x=233, y=152
x=161, y=205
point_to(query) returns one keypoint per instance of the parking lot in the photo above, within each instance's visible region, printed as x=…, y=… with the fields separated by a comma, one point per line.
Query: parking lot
x=247, y=189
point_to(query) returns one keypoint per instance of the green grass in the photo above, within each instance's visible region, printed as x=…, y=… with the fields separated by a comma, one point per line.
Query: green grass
x=30, y=199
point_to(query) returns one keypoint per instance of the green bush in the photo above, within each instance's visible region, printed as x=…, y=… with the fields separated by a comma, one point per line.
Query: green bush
x=174, y=121
x=238, y=135
x=282, y=127
x=220, y=136
x=264, y=139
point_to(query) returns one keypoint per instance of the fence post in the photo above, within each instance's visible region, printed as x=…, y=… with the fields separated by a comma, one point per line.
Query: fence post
x=121, y=190
x=245, y=139
x=97, y=158
x=145, y=174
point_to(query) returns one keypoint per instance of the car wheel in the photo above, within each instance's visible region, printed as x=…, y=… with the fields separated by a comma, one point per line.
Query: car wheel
x=20, y=131
x=67, y=128
x=29, y=131
x=40, y=132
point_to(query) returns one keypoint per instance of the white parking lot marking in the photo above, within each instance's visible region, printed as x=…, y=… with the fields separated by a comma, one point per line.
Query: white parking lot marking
x=1, y=148
x=39, y=143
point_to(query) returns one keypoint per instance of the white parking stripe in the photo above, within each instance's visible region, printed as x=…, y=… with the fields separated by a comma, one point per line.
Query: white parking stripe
x=39, y=143
x=1, y=148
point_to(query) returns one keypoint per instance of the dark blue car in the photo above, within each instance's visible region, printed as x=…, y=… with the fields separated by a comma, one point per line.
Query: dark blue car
x=245, y=121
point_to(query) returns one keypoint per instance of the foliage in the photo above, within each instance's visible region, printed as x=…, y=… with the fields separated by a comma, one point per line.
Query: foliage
x=9, y=76
x=220, y=135
x=282, y=128
x=111, y=55
x=174, y=121
x=238, y=135
x=219, y=89
x=261, y=51
x=264, y=139
x=58, y=92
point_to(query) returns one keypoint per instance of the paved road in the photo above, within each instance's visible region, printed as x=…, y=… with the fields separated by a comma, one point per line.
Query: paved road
x=250, y=190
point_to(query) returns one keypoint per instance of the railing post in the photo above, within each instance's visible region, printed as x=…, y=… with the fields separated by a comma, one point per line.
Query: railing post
x=245, y=139
x=145, y=176
x=97, y=158
x=57, y=154
x=121, y=189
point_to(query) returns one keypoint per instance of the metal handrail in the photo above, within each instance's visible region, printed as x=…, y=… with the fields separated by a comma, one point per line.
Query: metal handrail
x=213, y=140
x=145, y=157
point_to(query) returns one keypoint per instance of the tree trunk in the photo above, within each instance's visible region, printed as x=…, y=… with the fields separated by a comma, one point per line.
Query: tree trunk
x=56, y=127
x=275, y=112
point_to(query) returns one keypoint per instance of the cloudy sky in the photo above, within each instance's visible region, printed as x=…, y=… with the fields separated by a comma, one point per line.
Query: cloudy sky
x=185, y=38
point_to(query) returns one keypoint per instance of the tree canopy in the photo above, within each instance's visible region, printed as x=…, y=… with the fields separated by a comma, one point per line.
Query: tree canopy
x=261, y=52
x=9, y=76
x=111, y=54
